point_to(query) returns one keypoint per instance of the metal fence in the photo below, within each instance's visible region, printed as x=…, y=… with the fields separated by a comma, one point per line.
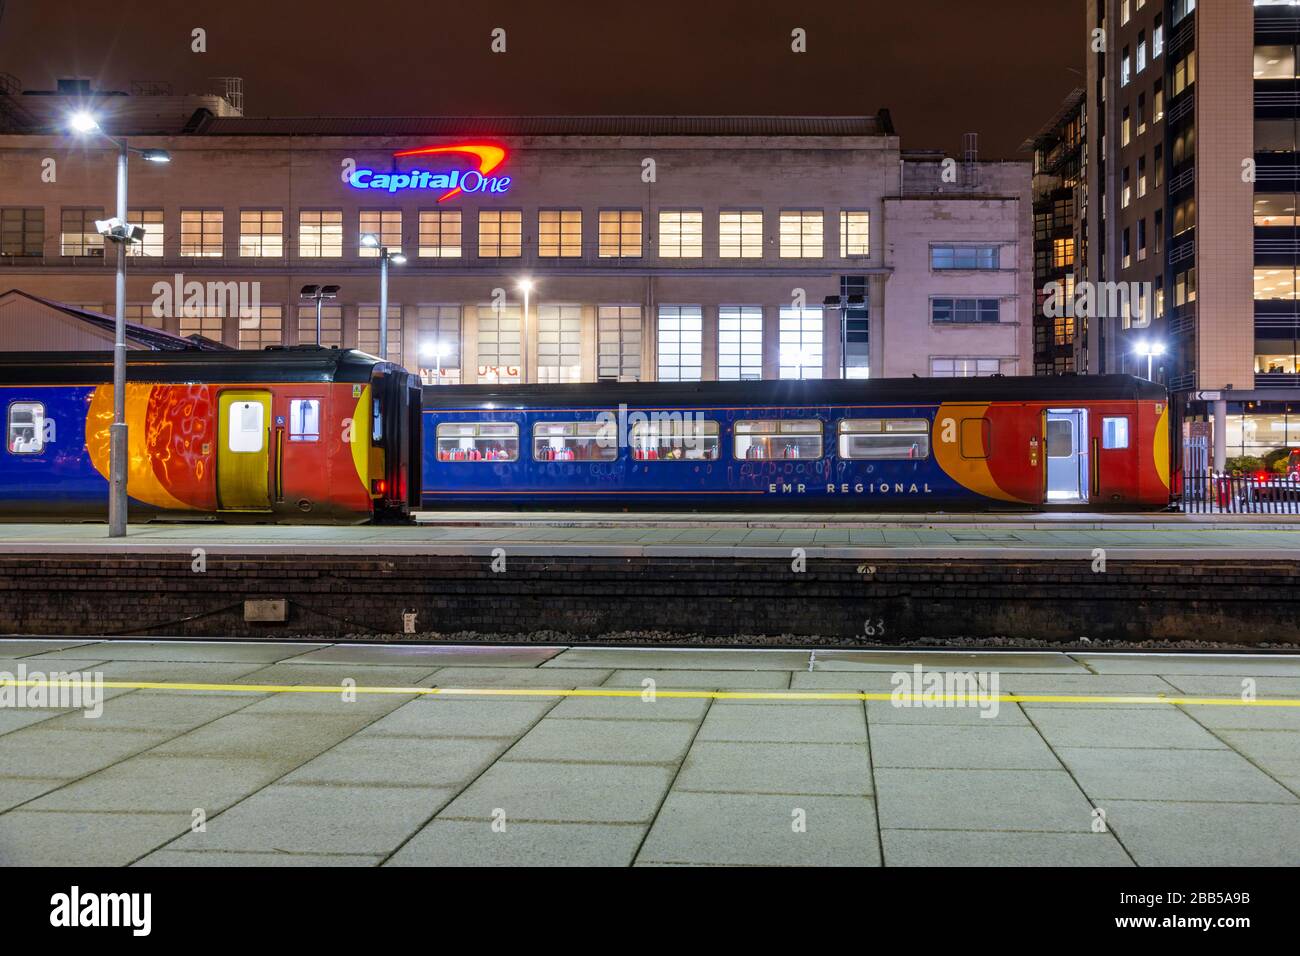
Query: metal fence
x=1241, y=494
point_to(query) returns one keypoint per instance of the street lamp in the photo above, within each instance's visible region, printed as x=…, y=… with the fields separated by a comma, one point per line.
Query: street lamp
x=842, y=303
x=435, y=350
x=525, y=286
x=319, y=293
x=370, y=241
x=1150, y=350
x=119, y=232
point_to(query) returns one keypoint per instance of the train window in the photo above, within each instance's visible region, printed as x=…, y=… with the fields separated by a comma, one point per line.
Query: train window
x=246, y=426
x=975, y=437
x=1060, y=438
x=576, y=441
x=376, y=423
x=478, y=441
x=799, y=439
x=1114, y=433
x=304, y=419
x=884, y=438
x=676, y=439
x=26, y=428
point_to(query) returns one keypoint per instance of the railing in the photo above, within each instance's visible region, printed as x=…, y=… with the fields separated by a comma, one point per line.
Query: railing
x=1241, y=494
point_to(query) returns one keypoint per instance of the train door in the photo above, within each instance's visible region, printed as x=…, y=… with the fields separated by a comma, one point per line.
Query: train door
x=395, y=432
x=244, y=451
x=1066, y=439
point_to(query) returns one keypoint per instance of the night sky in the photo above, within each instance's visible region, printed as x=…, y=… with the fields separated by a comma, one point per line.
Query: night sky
x=942, y=67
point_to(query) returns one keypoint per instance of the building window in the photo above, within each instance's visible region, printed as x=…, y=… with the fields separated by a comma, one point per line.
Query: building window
x=201, y=232
x=856, y=331
x=151, y=220
x=1142, y=239
x=965, y=311
x=576, y=441
x=1124, y=12
x=740, y=234
x=1157, y=37
x=331, y=326
x=778, y=440
x=973, y=258
x=963, y=367
x=500, y=233
x=1125, y=68
x=261, y=233
x=801, y=234
x=478, y=441
x=1184, y=144
x=620, y=233
x=1184, y=216
x=1184, y=72
x=261, y=327
x=676, y=440
x=618, y=343
x=1275, y=209
x=1126, y=194
x=78, y=235
x=1126, y=252
x=368, y=331
x=1142, y=51
x=559, y=343
x=1142, y=176
x=1063, y=252
x=855, y=233
x=1141, y=114
x=438, y=341
x=440, y=232
x=498, y=344
x=209, y=323
x=142, y=313
x=801, y=343
x=740, y=343
x=680, y=343
x=1270, y=283
x=22, y=231
x=884, y=438
x=26, y=428
x=1158, y=166
x=1275, y=63
x=1126, y=128
x=385, y=225
x=1158, y=101
x=559, y=233
x=320, y=233
x=1182, y=8
x=681, y=234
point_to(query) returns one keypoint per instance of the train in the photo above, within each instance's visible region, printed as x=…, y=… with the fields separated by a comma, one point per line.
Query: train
x=306, y=434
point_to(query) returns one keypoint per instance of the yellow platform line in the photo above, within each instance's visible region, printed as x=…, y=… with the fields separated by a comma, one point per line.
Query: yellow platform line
x=637, y=692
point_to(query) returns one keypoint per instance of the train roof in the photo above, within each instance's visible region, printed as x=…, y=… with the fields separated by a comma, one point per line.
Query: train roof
x=885, y=391
x=292, y=364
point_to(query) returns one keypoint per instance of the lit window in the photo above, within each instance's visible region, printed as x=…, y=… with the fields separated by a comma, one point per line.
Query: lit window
x=386, y=226
x=576, y=441
x=792, y=439
x=801, y=333
x=681, y=234
x=246, y=427
x=201, y=232
x=680, y=343
x=963, y=367
x=440, y=233
x=26, y=428
x=675, y=439
x=618, y=343
x=260, y=327
x=152, y=221
x=304, y=419
x=559, y=343
x=261, y=233
x=438, y=341
x=478, y=441
x=500, y=233
x=1276, y=209
x=964, y=311
x=620, y=233
x=740, y=234
x=559, y=233
x=78, y=235
x=368, y=331
x=1114, y=433
x=884, y=438
x=1275, y=63
x=331, y=326
x=498, y=344
x=320, y=233
x=740, y=343
x=801, y=234
x=981, y=258
x=855, y=233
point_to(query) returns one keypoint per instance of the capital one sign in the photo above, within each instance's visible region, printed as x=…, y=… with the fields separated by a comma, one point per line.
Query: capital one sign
x=486, y=158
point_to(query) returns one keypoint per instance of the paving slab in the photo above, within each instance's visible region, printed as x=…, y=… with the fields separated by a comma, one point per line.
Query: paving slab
x=1111, y=773
x=493, y=717
x=605, y=741
x=17, y=718
x=429, y=655
x=776, y=768
x=1021, y=800
x=1035, y=663
x=286, y=738
x=564, y=678
x=786, y=722
x=888, y=712
x=1220, y=717
x=941, y=848
x=1175, y=833
x=21, y=647
x=860, y=682
x=1094, y=726
x=188, y=649
x=1090, y=685
x=734, y=829
x=160, y=711
x=689, y=709
x=37, y=751
x=960, y=747
x=1234, y=686
x=700, y=680
x=563, y=793
x=694, y=659
x=400, y=761
x=16, y=790
x=476, y=843
x=1276, y=752
x=305, y=818
x=188, y=858
x=1260, y=665
x=82, y=839
x=160, y=784
x=326, y=675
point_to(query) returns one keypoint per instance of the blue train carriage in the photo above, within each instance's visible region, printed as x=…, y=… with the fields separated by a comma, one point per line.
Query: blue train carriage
x=997, y=443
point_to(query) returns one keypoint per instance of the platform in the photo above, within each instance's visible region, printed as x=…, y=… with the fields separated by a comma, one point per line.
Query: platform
x=741, y=757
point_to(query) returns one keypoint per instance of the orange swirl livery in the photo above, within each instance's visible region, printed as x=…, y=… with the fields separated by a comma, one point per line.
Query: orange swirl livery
x=487, y=156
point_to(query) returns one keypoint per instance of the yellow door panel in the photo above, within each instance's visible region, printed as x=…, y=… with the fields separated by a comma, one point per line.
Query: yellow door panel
x=243, y=451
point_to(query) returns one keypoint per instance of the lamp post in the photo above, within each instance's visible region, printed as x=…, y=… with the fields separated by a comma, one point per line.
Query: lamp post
x=370, y=241
x=1150, y=350
x=526, y=287
x=437, y=350
x=842, y=303
x=119, y=232
x=319, y=293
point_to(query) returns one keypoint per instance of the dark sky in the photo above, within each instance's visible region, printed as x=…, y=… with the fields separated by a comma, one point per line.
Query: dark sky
x=943, y=67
